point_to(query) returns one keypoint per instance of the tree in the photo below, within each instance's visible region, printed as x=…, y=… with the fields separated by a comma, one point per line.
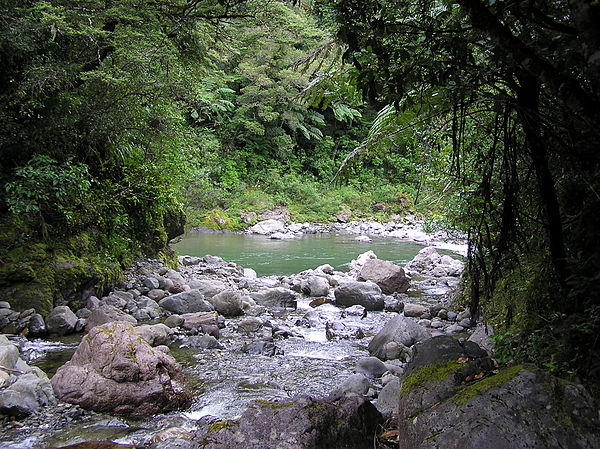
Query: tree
x=513, y=89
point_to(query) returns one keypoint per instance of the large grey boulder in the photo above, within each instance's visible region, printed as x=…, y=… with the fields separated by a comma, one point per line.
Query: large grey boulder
x=302, y=423
x=24, y=389
x=315, y=286
x=387, y=401
x=398, y=330
x=105, y=314
x=354, y=385
x=228, y=303
x=114, y=370
x=371, y=367
x=186, y=302
x=515, y=408
x=155, y=334
x=389, y=276
x=275, y=298
x=61, y=321
x=208, y=287
x=267, y=227
x=366, y=294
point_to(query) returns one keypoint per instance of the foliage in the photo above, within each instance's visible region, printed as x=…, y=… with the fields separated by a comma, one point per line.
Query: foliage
x=504, y=101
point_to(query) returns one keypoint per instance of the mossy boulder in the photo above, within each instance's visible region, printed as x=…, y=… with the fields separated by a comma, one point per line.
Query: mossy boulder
x=470, y=404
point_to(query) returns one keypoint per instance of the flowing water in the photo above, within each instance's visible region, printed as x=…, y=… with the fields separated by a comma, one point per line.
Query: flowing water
x=274, y=257
x=226, y=381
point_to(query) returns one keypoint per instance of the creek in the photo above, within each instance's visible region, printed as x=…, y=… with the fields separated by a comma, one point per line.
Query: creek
x=226, y=381
x=281, y=257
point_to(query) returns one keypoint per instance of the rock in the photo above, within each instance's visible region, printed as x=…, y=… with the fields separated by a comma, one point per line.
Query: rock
x=414, y=310
x=394, y=350
x=250, y=273
x=27, y=394
x=228, y=303
x=92, y=303
x=37, y=327
x=207, y=287
x=387, y=401
x=151, y=283
x=248, y=217
x=326, y=268
x=204, y=321
x=155, y=334
x=428, y=261
x=282, y=236
x=275, y=298
x=105, y=314
x=114, y=300
x=114, y=370
x=399, y=330
x=156, y=294
x=371, y=367
x=363, y=239
x=61, y=321
x=357, y=264
x=267, y=227
x=250, y=325
x=454, y=329
x=343, y=217
x=355, y=385
x=442, y=349
x=175, y=277
x=366, y=294
x=186, y=302
x=27, y=389
x=4, y=305
x=315, y=286
x=201, y=341
x=302, y=423
x=483, y=337
x=174, y=321
x=516, y=408
x=389, y=276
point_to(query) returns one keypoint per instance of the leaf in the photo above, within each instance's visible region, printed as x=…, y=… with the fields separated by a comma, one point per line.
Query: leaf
x=390, y=434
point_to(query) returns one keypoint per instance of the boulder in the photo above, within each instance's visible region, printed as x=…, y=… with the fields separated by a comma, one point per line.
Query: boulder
x=61, y=321
x=400, y=330
x=262, y=347
x=387, y=401
x=275, y=298
x=155, y=334
x=174, y=321
x=371, y=367
x=428, y=261
x=267, y=227
x=473, y=405
x=315, y=286
x=389, y=276
x=24, y=390
x=414, y=310
x=186, y=302
x=483, y=337
x=203, y=321
x=114, y=370
x=279, y=213
x=228, y=303
x=354, y=385
x=105, y=314
x=208, y=287
x=302, y=423
x=366, y=294
x=442, y=349
x=37, y=326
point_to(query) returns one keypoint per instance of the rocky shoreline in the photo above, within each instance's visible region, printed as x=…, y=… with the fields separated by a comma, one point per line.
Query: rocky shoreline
x=342, y=346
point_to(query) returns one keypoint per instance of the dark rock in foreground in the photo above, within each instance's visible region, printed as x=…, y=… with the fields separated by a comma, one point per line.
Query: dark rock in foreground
x=114, y=369
x=468, y=404
x=302, y=423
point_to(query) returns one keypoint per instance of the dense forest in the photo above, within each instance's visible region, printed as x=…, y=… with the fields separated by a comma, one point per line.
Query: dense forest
x=119, y=119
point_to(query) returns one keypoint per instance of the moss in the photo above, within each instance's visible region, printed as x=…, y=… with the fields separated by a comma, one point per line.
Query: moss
x=220, y=425
x=484, y=385
x=429, y=373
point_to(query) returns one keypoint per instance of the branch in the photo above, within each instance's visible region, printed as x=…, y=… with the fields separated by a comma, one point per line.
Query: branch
x=565, y=87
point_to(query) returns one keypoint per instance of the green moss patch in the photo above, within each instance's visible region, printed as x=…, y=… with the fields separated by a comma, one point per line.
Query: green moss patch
x=484, y=385
x=429, y=373
x=220, y=425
